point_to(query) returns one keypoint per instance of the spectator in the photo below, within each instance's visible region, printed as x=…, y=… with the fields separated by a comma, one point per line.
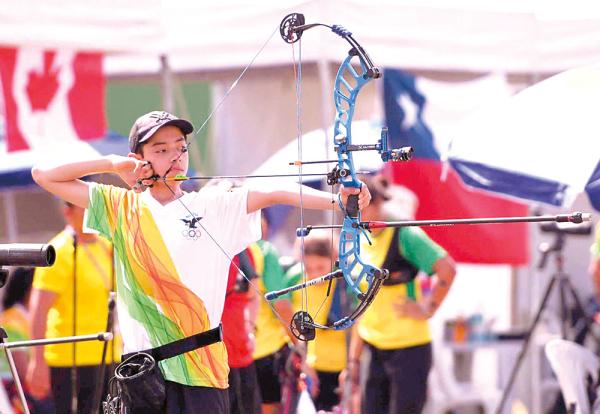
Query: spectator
x=273, y=337
x=326, y=354
x=71, y=298
x=394, y=331
x=15, y=321
x=239, y=324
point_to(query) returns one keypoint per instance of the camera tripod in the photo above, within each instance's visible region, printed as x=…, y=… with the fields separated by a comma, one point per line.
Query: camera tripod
x=560, y=279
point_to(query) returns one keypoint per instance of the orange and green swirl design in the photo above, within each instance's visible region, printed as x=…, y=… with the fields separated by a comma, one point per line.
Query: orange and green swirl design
x=151, y=289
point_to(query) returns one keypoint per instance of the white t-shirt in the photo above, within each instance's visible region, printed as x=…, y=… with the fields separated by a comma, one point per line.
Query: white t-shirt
x=172, y=265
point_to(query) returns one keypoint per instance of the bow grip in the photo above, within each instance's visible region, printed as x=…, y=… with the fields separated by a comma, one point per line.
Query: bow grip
x=352, y=205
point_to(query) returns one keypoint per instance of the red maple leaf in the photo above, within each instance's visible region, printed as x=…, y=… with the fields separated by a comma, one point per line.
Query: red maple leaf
x=41, y=87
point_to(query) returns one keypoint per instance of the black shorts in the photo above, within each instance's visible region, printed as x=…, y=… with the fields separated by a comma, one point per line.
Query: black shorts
x=244, y=395
x=182, y=399
x=87, y=382
x=328, y=391
x=396, y=380
x=269, y=370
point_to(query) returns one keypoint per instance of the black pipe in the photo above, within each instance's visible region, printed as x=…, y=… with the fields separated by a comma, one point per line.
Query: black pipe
x=36, y=255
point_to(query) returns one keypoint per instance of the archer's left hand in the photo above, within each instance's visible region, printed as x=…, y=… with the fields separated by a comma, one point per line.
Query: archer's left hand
x=364, y=196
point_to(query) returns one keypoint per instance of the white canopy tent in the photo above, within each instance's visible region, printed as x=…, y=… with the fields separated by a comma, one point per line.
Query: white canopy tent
x=528, y=36
x=220, y=38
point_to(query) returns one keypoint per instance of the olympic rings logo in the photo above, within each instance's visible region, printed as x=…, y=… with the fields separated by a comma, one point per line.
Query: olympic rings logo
x=191, y=234
x=191, y=231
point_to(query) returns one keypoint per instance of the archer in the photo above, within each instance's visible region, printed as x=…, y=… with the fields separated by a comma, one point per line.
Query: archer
x=171, y=284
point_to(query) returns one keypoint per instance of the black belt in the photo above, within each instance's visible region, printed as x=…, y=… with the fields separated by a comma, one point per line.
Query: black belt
x=181, y=346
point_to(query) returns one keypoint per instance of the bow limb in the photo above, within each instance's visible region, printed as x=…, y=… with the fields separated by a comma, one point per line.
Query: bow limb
x=348, y=83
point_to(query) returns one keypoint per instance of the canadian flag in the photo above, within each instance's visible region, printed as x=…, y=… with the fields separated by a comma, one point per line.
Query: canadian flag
x=51, y=97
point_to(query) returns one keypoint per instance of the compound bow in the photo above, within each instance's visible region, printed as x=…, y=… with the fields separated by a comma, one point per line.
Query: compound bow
x=348, y=82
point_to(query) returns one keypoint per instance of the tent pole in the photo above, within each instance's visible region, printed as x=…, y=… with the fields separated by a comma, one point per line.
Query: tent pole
x=11, y=216
x=166, y=84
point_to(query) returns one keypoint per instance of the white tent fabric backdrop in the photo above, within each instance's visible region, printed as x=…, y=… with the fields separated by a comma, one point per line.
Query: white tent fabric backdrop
x=541, y=144
x=465, y=35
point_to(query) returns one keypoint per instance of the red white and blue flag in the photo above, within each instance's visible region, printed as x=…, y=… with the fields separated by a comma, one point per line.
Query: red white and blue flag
x=440, y=190
x=53, y=102
x=542, y=144
x=51, y=97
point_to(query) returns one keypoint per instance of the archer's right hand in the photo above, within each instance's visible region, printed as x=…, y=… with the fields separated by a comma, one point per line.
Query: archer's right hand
x=134, y=172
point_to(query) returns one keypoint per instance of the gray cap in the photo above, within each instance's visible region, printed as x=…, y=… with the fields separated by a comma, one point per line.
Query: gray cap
x=146, y=125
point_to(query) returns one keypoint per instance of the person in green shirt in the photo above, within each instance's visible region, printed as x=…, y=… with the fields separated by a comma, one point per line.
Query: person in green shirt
x=273, y=338
x=394, y=331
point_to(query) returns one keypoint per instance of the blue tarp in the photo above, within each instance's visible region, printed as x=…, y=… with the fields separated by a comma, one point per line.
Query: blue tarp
x=20, y=176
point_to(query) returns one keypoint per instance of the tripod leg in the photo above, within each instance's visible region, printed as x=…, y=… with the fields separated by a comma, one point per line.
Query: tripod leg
x=515, y=370
x=589, y=321
x=564, y=309
x=15, y=374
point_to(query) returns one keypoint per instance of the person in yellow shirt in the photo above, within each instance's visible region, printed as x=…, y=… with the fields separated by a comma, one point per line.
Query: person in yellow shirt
x=394, y=331
x=326, y=354
x=14, y=319
x=71, y=298
x=272, y=346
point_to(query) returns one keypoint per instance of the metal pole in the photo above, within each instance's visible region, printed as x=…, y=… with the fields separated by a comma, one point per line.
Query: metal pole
x=166, y=83
x=528, y=337
x=109, y=328
x=11, y=216
x=74, y=391
x=13, y=370
x=103, y=336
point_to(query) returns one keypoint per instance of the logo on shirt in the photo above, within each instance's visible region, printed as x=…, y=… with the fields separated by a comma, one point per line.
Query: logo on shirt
x=192, y=230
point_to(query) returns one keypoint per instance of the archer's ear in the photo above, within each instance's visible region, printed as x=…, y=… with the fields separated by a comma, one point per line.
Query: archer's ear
x=136, y=156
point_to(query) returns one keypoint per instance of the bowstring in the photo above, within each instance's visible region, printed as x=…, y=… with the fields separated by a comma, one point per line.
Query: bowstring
x=298, y=80
x=235, y=82
x=230, y=89
x=297, y=65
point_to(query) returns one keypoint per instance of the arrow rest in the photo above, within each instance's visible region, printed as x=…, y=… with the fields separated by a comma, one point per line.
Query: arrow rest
x=333, y=177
